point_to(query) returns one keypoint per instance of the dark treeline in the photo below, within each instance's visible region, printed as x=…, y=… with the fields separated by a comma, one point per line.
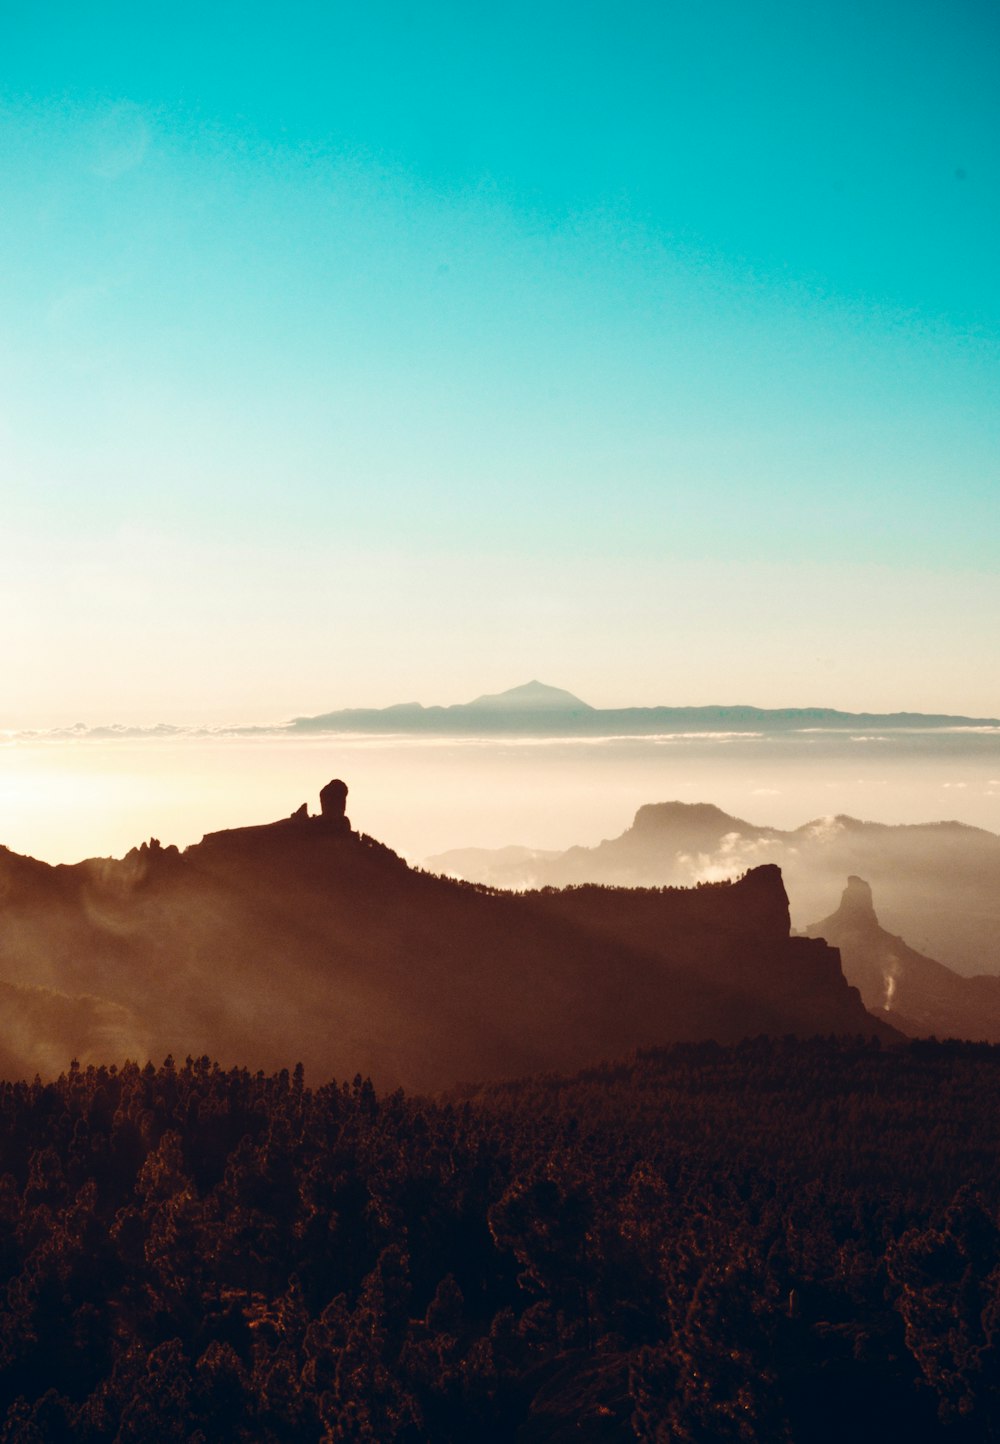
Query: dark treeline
x=773, y=1241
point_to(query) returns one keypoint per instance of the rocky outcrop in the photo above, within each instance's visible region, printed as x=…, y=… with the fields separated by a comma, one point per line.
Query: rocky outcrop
x=919, y=995
x=735, y=970
x=333, y=803
x=331, y=818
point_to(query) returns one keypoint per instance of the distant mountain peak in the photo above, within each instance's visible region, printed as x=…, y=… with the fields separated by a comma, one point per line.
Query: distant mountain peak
x=686, y=819
x=535, y=708
x=531, y=697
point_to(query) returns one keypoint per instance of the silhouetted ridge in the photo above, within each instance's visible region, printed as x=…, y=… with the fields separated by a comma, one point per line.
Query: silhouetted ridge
x=303, y=938
x=331, y=819
x=938, y=883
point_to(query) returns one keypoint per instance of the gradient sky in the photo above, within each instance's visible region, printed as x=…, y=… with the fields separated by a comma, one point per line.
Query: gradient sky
x=354, y=354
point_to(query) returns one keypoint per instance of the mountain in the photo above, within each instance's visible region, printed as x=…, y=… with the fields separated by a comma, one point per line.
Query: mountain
x=538, y=709
x=533, y=707
x=922, y=997
x=531, y=697
x=938, y=883
x=302, y=939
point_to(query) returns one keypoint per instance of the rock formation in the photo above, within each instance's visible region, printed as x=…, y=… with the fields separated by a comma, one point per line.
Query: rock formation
x=333, y=803
x=917, y=994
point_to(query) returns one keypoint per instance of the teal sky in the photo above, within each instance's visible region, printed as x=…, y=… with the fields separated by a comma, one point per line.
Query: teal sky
x=360, y=353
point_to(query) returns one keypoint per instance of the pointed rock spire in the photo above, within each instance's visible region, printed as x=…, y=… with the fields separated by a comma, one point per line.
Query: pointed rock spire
x=856, y=905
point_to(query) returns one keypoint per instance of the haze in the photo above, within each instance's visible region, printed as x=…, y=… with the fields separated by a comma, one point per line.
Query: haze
x=63, y=800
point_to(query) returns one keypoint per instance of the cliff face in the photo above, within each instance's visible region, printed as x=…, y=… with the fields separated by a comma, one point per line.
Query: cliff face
x=304, y=940
x=733, y=968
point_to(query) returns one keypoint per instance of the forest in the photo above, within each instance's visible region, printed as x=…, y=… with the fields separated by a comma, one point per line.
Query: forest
x=778, y=1240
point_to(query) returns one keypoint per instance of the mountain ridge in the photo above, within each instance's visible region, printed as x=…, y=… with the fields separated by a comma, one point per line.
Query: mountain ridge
x=555, y=711
x=530, y=696
x=938, y=882
x=303, y=938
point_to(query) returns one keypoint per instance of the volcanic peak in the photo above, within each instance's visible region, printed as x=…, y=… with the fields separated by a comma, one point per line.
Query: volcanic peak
x=532, y=696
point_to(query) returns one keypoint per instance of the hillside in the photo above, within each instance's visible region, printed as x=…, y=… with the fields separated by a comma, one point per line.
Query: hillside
x=303, y=939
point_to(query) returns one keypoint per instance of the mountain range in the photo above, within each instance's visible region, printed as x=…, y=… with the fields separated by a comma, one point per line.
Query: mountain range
x=535, y=709
x=937, y=884
x=304, y=940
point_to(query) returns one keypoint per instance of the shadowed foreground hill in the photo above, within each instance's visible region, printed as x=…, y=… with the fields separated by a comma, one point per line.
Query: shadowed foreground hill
x=304, y=940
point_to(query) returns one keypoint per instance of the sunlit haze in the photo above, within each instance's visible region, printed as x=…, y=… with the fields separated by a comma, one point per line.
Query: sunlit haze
x=65, y=800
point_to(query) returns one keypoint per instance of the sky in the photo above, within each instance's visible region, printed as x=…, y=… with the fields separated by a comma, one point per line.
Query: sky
x=356, y=354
